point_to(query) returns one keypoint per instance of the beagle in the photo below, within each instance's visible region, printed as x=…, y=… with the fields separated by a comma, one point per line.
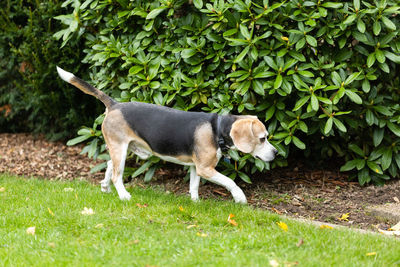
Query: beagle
x=188, y=138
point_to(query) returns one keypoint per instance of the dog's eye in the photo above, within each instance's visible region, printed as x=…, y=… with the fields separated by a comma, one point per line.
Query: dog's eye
x=262, y=139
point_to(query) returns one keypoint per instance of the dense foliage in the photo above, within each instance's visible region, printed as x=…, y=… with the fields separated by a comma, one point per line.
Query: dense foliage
x=323, y=75
x=32, y=97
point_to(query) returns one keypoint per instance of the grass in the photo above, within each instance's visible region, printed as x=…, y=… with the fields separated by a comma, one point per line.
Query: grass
x=160, y=229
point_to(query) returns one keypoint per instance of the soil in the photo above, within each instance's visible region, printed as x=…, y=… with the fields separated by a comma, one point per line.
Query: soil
x=317, y=194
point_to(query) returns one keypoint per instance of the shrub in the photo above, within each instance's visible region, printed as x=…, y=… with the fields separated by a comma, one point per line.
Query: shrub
x=323, y=75
x=32, y=97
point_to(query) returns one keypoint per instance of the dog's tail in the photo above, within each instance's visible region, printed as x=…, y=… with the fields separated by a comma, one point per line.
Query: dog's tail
x=85, y=87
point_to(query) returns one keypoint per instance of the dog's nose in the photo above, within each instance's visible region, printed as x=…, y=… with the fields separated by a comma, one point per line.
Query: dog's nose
x=275, y=151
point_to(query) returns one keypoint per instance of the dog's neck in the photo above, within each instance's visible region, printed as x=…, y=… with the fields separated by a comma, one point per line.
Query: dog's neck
x=224, y=125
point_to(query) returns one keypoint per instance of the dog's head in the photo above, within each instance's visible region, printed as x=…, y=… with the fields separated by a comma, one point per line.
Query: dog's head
x=249, y=135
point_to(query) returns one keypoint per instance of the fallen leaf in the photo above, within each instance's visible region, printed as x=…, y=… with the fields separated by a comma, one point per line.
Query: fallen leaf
x=276, y=211
x=2, y=189
x=100, y=225
x=283, y=226
x=300, y=243
x=68, y=189
x=370, y=254
x=52, y=214
x=201, y=234
x=324, y=226
x=345, y=217
x=191, y=226
x=51, y=244
x=396, y=227
x=31, y=230
x=87, y=211
x=231, y=221
x=396, y=199
x=141, y=206
x=274, y=263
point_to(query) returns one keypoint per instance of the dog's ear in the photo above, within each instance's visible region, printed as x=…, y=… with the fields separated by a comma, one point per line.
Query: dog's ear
x=242, y=135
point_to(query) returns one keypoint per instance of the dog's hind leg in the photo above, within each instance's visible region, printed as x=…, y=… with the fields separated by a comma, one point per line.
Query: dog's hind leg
x=118, y=152
x=105, y=183
x=194, y=184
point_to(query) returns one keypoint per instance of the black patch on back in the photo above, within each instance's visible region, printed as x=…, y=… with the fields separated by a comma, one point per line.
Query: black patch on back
x=167, y=131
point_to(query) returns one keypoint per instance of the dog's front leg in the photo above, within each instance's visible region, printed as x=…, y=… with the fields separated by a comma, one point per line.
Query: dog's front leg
x=194, y=184
x=218, y=178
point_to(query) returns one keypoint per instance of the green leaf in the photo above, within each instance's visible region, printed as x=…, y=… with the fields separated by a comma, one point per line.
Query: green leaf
x=351, y=78
x=380, y=56
x=350, y=19
x=301, y=102
x=356, y=4
x=371, y=60
x=270, y=112
x=188, y=52
x=270, y=62
x=314, y=102
x=376, y=27
x=278, y=81
x=78, y=139
x=244, y=177
x=349, y=165
x=339, y=125
x=298, y=143
x=155, y=12
x=244, y=31
x=149, y=174
x=392, y=57
x=374, y=167
x=356, y=149
x=394, y=128
x=378, y=136
x=354, y=97
x=242, y=54
x=361, y=25
x=388, y=23
x=332, y=5
x=386, y=159
x=229, y=32
x=198, y=4
x=328, y=126
x=363, y=176
x=142, y=169
x=311, y=40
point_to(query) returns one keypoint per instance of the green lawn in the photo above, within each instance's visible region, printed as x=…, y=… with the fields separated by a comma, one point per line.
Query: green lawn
x=161, y=229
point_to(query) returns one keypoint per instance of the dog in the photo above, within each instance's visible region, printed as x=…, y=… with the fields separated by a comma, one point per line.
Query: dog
x=196, y=139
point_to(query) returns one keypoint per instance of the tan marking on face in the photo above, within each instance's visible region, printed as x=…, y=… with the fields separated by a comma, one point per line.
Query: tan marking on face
x=205, y=151
x=245, y=133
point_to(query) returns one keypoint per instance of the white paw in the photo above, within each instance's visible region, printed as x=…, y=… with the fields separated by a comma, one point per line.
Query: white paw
x=195, y=198
x=106, y=189
x=124, y=195
x=239, y=196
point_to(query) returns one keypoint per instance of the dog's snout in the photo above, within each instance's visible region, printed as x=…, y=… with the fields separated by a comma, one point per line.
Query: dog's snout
x=275, y=151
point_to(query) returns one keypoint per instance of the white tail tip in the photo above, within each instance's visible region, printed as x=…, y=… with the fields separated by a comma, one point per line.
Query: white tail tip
x=65, y=75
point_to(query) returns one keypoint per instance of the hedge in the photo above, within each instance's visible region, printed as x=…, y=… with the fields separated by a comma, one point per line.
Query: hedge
x=32, y=97
x=322, y=75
